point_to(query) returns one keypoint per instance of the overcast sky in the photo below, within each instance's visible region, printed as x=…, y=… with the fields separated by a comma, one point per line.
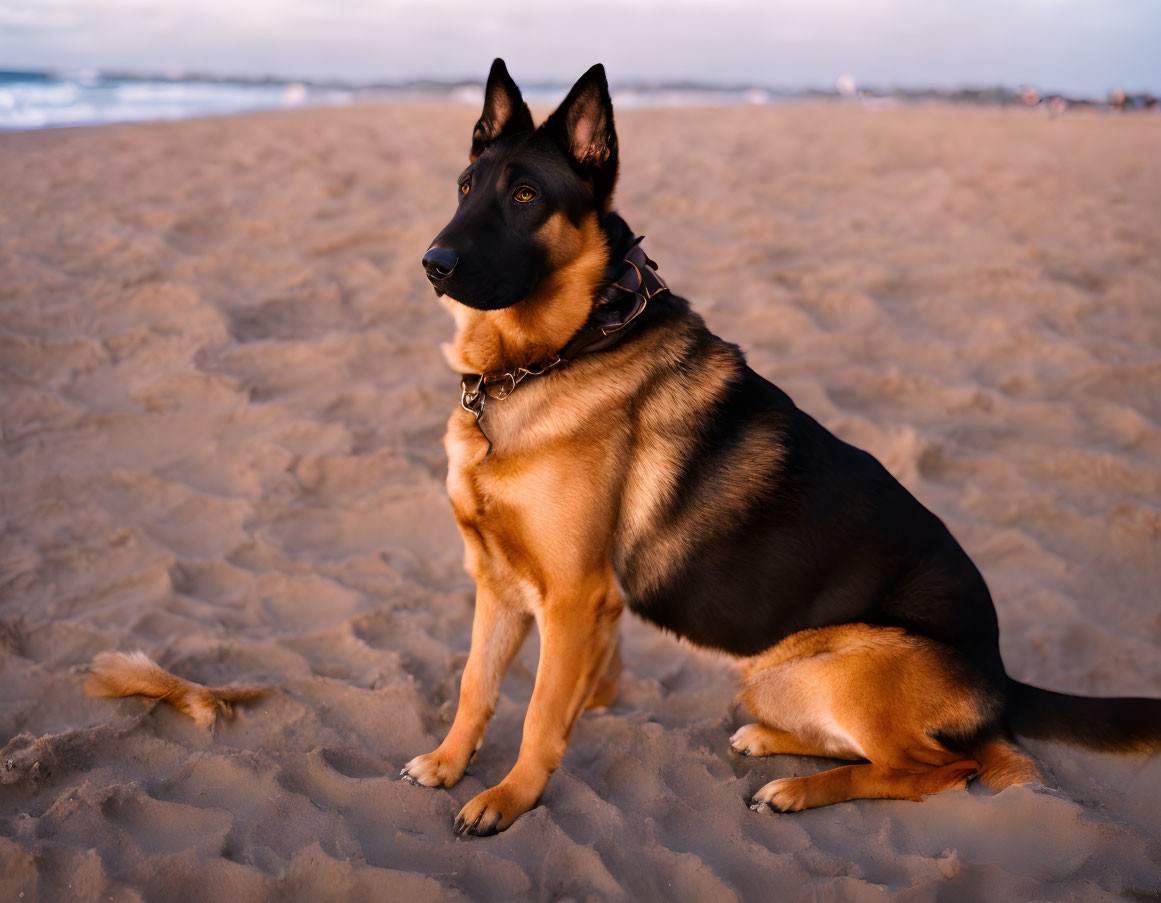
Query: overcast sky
x=1081, y=46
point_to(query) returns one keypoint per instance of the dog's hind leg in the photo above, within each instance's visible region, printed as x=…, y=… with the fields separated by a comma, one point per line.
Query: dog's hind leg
x=763, y=740
x=861, y=692
x=861, y=782
x=498, y=630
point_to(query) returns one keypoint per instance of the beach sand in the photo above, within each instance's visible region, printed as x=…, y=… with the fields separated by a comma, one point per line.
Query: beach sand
x=222, y=407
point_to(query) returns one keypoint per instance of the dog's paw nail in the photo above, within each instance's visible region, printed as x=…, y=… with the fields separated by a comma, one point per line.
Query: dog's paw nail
x=758, y=806
x=493, y=827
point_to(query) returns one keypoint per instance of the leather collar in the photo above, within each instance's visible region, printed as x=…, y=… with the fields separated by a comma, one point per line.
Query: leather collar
x=620, y=303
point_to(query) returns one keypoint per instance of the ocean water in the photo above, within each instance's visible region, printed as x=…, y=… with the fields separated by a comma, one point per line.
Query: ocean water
x=30, y=100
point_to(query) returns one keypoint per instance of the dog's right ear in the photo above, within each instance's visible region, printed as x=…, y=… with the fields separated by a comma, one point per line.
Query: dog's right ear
x=505, y=111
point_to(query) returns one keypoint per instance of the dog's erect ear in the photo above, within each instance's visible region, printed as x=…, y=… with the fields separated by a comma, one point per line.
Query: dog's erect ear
x=505, y=111
x=583, y=125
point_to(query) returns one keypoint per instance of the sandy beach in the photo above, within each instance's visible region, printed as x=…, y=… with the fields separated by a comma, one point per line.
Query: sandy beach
x=221, y=405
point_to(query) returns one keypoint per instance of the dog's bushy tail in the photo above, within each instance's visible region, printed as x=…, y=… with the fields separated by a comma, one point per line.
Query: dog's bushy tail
x=117, y=674
x=1113, y=724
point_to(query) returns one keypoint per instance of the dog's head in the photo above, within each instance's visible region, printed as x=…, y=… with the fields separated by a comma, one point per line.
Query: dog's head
x=529, y=196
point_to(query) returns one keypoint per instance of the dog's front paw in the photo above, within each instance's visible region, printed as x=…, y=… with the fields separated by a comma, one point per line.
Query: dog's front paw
x=490, y=812
x=783, y=795
x=435, y=769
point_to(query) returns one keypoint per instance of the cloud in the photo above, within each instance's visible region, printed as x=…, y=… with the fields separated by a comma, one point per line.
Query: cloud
x=1057, y=44
x=41, y=16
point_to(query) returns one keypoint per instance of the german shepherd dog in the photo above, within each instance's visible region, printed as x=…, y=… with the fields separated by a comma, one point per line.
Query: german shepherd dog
x=610, y=451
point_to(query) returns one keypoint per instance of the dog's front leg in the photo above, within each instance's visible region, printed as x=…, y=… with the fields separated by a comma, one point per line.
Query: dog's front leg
x=577, y=640
x=498, y=630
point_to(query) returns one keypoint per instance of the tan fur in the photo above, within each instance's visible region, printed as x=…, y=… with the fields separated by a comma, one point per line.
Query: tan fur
x=563, y=241
x=877, y=693
x=117, y=674
x=605, y=691
x=868, y=781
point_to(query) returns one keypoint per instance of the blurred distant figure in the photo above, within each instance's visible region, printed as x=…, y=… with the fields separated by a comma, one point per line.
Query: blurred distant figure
x=1030, y=95
x=846, y=85
x=1117, y=99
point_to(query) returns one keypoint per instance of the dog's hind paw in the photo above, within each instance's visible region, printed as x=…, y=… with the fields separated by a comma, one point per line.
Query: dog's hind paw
x=752, y=740
x=782, y=795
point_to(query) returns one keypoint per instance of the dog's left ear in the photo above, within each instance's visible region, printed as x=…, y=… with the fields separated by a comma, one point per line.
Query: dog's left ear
x=505, y=111
x=583, y=126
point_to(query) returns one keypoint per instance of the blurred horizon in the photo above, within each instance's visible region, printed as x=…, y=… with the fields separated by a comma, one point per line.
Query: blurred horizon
x=1068, y=46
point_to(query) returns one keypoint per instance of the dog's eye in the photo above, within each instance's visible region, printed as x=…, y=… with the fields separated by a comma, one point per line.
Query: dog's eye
x=524, y=194
x=465, y=187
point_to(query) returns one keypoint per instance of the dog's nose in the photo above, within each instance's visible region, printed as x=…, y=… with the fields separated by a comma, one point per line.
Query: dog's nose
x=439, y=263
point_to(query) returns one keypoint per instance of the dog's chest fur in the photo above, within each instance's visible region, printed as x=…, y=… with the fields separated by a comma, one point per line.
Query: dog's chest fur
x=582, y=472
x=533, y=495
